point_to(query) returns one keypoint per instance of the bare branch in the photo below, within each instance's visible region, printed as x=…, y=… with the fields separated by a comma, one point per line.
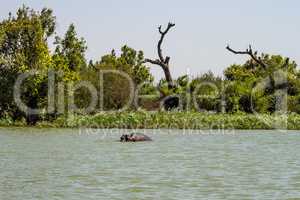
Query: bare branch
x=163, y=34
x=154, y=62
x=167, y=60
x=237, y=52
x=249, y=52
x=163, y=62
x=159, y=29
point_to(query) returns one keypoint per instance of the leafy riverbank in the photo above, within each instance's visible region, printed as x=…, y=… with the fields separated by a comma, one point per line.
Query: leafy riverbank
x=170, y=120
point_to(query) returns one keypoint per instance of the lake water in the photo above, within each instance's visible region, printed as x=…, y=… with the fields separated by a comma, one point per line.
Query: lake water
x=72, y=164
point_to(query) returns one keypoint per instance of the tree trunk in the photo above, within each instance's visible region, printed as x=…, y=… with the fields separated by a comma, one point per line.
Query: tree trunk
x=168, y=77
x=162, y=61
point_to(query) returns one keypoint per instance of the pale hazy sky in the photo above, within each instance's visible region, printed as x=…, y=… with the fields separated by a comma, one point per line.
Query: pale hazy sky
x=203, y=28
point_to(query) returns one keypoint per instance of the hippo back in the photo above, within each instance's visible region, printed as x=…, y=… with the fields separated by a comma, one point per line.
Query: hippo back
x=141, y=137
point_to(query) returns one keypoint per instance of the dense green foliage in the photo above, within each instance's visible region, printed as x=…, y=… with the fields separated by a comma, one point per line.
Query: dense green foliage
x=178, y=120
x=119, y=79
x=23, y=47
x=250, y=82
x=170, y=120
x=121, y=75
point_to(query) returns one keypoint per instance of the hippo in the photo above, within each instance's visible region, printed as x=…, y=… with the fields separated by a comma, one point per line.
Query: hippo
x=135, y=137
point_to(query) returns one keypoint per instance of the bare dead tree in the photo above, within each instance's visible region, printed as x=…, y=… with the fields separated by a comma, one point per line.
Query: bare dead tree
x=162, y=61
x=249, y=52
x=259, y=61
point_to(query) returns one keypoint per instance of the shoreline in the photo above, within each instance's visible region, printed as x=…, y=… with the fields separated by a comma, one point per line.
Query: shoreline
x=168, y=120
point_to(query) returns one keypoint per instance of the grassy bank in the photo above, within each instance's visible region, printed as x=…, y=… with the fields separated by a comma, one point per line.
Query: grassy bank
x=178, y=120
x=170, y=120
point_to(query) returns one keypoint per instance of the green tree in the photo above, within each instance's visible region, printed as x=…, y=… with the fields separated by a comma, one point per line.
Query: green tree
x=252, y=86
x=72, y=49
x=117, y=87
x=206, y=91
x=23, y=47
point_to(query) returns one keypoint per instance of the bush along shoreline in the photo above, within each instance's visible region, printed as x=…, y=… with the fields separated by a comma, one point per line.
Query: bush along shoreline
x=40, y=84
x=168, y=120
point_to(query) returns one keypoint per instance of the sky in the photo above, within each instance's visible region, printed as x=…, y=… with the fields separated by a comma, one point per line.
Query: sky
x=197, y=43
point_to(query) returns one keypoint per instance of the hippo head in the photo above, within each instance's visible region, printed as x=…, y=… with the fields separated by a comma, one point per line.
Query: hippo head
x=124, y=138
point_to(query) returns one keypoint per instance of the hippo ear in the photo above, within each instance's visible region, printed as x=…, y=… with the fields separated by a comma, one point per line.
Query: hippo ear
x=122, y=138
